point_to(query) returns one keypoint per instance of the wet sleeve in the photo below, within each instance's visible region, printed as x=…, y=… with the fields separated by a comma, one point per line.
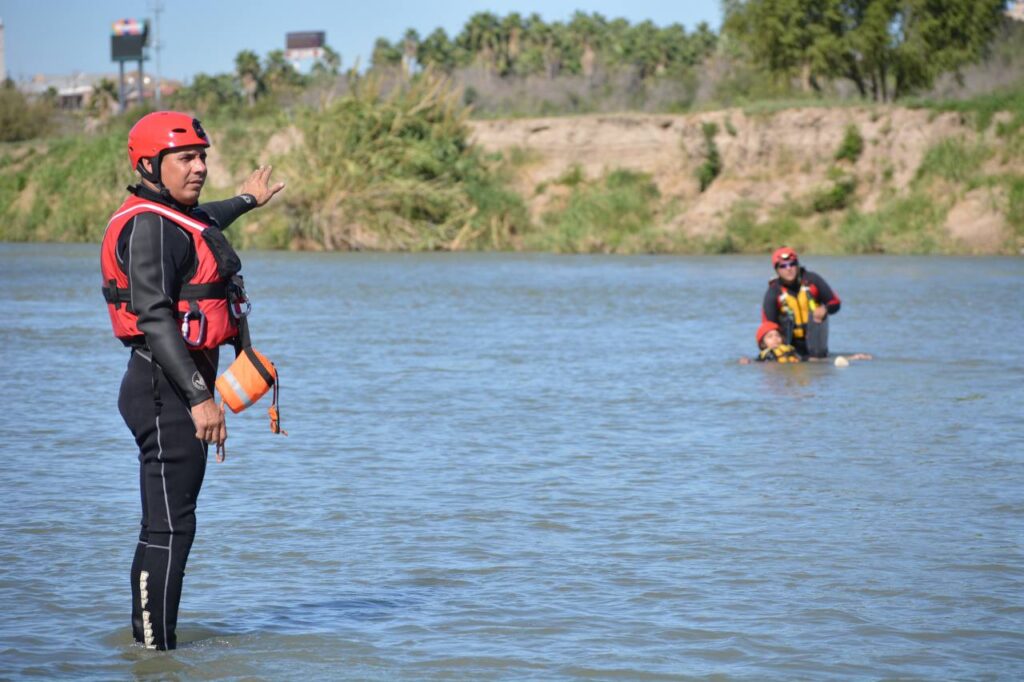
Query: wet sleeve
x=157, y=260
x=825, y=293
x=770, y=307
x=223, y=213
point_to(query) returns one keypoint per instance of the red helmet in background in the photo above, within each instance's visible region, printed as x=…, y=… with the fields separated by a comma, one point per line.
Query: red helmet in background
x=784, y=253
x=162, y=130
x=764, y=329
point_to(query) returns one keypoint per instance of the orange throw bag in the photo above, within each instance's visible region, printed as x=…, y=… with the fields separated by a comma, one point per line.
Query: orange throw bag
x=247, y=380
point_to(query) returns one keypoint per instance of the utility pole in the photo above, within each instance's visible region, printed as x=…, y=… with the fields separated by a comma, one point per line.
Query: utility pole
x=3, y=68
x=158, y=7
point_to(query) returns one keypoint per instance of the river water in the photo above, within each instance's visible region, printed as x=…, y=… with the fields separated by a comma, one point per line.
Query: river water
x=538, y=467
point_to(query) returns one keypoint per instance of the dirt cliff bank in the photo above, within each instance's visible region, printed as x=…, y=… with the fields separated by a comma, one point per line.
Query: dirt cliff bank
x=773, y=161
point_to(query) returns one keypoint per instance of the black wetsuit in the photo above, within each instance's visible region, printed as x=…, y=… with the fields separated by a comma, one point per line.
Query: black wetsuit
x=820, y=291
x=163, y=381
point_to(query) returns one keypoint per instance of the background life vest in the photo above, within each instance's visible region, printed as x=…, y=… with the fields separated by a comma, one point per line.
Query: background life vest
x=781, y=353
x=798, y=308
x=203, y=308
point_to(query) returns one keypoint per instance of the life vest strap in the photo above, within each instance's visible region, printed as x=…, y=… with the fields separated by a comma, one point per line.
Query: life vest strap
x=115, y=295
x=196, y=292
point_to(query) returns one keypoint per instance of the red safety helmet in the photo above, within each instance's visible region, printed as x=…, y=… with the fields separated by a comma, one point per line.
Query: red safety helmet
x=162, y=130
x=784, y=253
x=766, y=327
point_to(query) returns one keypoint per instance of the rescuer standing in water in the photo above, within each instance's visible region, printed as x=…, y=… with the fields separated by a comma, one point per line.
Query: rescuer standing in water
x=171, y=282
x=799, y=301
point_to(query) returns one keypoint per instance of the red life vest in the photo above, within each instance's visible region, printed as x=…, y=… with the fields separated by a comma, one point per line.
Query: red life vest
x=208, y=318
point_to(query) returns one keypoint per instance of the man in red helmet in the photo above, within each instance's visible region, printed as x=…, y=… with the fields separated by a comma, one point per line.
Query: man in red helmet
x=797, y=300
x=170, y=279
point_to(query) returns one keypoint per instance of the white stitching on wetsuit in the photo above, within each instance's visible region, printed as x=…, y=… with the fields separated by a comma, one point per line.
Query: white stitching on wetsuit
x=160, y=458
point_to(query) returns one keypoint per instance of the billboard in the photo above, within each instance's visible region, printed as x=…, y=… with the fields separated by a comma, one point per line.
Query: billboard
x=127, y=39
x=304, y=45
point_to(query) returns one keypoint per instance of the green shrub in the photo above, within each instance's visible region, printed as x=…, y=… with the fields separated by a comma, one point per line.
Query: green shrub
x=852, y=145
x=1015, y=209
x=397, y=172
x=712, y=165
x=834, y=197
x=74, y=186
x=912, y=224
x=954, y=159
x=614, y=214
x=19, y=118
x=745, y=234
x=572, y=176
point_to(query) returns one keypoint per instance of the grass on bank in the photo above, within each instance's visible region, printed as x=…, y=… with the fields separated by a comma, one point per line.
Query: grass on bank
x=983, y=109
x=64, y=189
x=367, y=171
x=616, y=213
x=398, y=172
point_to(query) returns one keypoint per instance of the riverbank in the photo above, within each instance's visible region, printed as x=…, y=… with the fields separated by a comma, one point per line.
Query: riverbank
x=412, y=172
x=829, y=180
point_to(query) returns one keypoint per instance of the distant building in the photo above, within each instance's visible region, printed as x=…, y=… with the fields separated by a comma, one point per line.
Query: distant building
x=75, y=91
x=71, y=92
x=1017, y=11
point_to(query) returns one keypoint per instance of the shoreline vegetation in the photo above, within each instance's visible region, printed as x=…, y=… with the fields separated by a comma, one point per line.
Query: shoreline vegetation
x=412, y=159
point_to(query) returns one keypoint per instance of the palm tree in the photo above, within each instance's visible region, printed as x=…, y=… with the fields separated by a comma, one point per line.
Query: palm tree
x=385, y=54
x=331, y=60
x=479, y=38
x=104, y=98
x=644, y=51
x=437, y=51
x=247, y=66
x=410, y=45
x=279, y=72
x=544, y=44
x=511, y=42
x=588, y=33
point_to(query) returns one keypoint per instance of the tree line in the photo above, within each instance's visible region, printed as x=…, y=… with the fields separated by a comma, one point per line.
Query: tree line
x=886, y=48
x=515, y=45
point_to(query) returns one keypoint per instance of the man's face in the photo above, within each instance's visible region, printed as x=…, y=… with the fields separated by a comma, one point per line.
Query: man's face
x=788, y=270
x=183, y=172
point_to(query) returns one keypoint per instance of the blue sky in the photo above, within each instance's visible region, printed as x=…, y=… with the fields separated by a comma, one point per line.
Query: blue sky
x=65, y=36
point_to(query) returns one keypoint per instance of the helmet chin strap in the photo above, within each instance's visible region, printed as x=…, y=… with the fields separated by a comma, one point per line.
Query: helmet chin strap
x=154, y=175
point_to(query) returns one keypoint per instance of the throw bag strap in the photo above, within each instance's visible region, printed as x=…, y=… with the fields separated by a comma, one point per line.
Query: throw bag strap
x=258, y=364
x=275, y=413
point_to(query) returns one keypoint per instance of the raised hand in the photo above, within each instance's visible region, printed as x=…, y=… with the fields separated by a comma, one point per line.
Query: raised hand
x=258, y=185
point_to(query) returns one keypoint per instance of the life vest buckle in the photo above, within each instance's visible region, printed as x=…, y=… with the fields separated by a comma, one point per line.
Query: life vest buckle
x=186, y=326
x=238, y=301
x=237, y=309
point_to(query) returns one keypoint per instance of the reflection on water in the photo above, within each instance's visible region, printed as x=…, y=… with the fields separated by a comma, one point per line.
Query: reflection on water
x=506, y=466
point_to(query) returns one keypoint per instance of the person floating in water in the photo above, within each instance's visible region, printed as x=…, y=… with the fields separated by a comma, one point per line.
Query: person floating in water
x=772, y=348
x=799, y=301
